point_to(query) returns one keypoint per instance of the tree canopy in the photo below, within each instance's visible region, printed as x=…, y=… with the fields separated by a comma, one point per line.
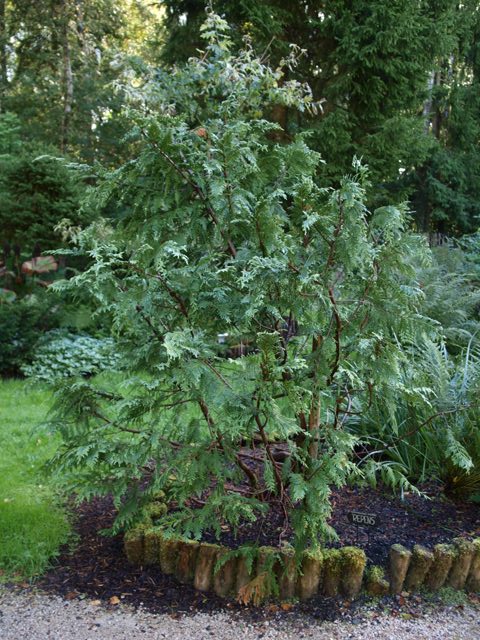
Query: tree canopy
x=398, y=83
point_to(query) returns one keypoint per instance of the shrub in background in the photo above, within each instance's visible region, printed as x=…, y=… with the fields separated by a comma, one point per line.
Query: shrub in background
x=37, y=191
x=22, y=323
x=452, y=293
x=437, y=439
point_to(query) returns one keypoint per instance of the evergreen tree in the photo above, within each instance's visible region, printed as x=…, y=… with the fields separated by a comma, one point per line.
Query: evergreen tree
x=36, y=193
x=228, y=232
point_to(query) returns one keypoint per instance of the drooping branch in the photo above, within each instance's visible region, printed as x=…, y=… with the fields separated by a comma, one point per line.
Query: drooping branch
x=147, y=320
x=438, y=414
x=189, y=178
x=268, y=450
x=314, y=413
x=251, y=476
x=174, y=295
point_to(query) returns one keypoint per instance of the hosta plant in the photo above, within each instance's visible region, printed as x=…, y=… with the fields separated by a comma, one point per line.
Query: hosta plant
x=61, y=354
x=225, y=231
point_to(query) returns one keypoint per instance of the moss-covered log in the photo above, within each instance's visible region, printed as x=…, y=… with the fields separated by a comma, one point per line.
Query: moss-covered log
x=133, y=545
x=207, y=555
x=399, y=562
x=168, y=555
x=443, y=555
x=353, y=561
x=420, y=563
x=332, y=571
x=244, y=575
x=224, y=578
x=473, y=580
x=287, y=574
x=375, y=583
x=267, y=572
x=154, y=511
x=311, y=574
x=464, y=552
x=186, y=561
x=151, y=543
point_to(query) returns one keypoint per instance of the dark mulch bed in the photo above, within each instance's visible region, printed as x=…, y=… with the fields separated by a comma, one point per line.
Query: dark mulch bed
x=412, y=520
x=98, y=568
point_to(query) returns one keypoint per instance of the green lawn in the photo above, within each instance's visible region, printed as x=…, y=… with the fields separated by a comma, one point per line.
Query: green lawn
x=33, y=523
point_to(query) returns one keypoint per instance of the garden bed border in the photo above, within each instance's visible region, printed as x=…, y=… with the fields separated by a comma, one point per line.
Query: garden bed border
x=273, y=572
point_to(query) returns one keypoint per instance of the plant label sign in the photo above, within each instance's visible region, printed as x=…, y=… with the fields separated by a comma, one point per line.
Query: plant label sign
x=363, y=519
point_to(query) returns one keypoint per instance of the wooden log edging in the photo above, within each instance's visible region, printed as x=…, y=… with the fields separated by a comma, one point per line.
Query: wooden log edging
x=330, y=572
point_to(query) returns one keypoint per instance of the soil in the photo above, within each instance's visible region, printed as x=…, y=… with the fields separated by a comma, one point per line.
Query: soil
x=98, y=568
x=413, y=520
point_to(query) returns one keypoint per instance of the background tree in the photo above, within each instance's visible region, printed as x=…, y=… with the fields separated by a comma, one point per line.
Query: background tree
x=447, y=185
x=393, y=76
x=58, y=72
x=36, y=192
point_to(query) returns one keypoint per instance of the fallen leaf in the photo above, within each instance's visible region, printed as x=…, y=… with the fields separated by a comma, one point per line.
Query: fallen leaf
x=95, y=603
x=273, y=608
x=114, y=600
x=286, y=606
x=71, y=595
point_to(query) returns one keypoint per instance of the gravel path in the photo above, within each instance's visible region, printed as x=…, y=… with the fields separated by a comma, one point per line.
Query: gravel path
x=34, y=616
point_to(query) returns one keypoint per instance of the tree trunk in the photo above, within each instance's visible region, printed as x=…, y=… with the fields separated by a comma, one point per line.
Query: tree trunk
x=3, y=56
x=314, y=415
x=432, y=114
x=67, y=78
x=427, y=107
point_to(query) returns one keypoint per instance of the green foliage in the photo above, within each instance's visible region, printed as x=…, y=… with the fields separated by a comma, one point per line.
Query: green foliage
x=59, y=354
x=33, y=522
x=59, y=73
x=228, y=232
x=432, y=434
x=36, y=192
x=452, y=296
x=447, y=185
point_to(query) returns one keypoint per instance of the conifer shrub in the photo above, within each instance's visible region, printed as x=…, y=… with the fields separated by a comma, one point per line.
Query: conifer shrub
x=227, y=232
x=37, y=191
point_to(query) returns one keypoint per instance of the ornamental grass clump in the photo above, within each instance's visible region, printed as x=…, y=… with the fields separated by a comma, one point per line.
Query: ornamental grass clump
x=225, y=231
